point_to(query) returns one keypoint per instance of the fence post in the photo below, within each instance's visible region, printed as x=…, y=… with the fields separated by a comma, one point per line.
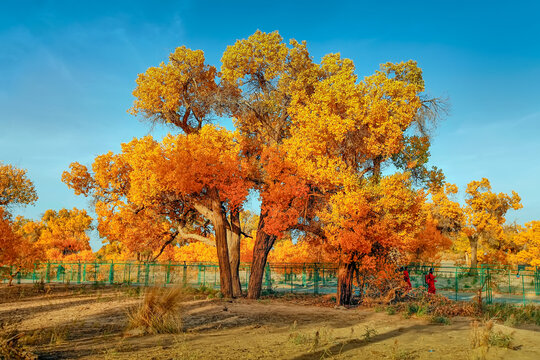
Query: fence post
x=96, y=269
x=247, y=272
x=523, y=287
x=204, y=275
x=304, y=276
x=48, y=272
x=139, y=273
x=34, y=277
x=147, y=274
x=111, y=273
x=168, y=275
x=184, y=274
x=316, y=279
x=456, y=282
x=509, y=287
x=536, y=281
x=291, y=279
x=268, y=277
x=489, y=293
x=84, y=273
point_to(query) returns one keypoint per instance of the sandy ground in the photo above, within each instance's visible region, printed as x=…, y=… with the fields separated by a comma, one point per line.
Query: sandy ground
x=88, y=323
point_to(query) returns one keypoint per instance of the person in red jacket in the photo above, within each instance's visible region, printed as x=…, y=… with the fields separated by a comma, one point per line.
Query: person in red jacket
x=430, y=280
x=406, y=278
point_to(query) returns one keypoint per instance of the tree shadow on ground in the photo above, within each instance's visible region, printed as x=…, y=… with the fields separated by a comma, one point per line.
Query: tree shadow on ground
x=352, y=344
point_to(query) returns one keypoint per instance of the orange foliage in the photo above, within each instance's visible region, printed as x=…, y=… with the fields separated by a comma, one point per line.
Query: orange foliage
x=63, y=235
x=428, y=244
x=156, y=195
x=16, y=250
x=373, y=221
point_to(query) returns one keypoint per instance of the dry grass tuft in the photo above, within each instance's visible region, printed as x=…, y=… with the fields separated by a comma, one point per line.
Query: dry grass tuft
x=484, y=336
x=159, y=312
x=10, y=348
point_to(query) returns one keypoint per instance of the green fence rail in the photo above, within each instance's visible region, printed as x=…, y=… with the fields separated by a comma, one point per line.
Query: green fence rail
x=513, y=284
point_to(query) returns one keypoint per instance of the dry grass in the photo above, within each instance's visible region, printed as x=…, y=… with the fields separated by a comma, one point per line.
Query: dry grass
x=484, y=336
x=11, y=349
x=159, y=312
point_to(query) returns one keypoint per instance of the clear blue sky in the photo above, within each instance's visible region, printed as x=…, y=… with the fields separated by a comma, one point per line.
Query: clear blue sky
x=67, y=70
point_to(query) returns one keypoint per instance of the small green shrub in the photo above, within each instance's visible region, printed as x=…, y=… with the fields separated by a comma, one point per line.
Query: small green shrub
x=440, y=320
x=369, y=332
x=390, y=310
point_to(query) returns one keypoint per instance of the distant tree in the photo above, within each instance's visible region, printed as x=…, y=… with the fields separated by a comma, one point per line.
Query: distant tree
x=15, y=187
x=481, y=219
x=16, y=252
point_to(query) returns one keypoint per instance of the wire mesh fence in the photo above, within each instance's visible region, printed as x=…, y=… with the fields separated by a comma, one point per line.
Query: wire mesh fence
x=513, y=284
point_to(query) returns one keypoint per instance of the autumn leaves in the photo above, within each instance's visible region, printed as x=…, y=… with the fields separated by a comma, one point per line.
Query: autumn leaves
x=338, y=162
x=310, y=139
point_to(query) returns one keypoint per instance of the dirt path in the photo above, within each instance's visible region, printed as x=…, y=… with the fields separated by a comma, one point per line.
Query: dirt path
x=70, y=323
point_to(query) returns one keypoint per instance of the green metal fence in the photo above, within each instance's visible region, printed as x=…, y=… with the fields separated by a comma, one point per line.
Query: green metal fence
x=514, y=284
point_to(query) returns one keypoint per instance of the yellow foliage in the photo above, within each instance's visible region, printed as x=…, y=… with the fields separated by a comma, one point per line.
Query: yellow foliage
x=180, y=92
x=15, y=187
x=528, y=240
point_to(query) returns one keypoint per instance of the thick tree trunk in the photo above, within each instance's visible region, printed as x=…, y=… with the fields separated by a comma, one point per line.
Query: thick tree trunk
x=220, y=229
x=263, y=245
x=345, y=282
x=473, y=240
x=377, y=168
x=234, y=253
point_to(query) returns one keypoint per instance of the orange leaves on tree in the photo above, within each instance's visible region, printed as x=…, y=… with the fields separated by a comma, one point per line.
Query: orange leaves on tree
x=15, y=189
x=373, y=220
x=428, y=245
x=285, y=195
x=60, y=235
x=157, y=194
x=16, y=249
x=194, y=164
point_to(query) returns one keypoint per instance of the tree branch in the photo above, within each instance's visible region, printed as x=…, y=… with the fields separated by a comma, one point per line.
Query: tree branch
x=191, y=236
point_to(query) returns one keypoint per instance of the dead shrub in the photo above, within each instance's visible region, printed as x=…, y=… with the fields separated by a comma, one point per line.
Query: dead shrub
x=158, y=312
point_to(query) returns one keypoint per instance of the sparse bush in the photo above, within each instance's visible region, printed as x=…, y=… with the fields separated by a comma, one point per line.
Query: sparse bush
x=411, y=309
x=440, y=320
x=39, y=286
x=369, y=332
x=513, y=315
x=158, y=312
